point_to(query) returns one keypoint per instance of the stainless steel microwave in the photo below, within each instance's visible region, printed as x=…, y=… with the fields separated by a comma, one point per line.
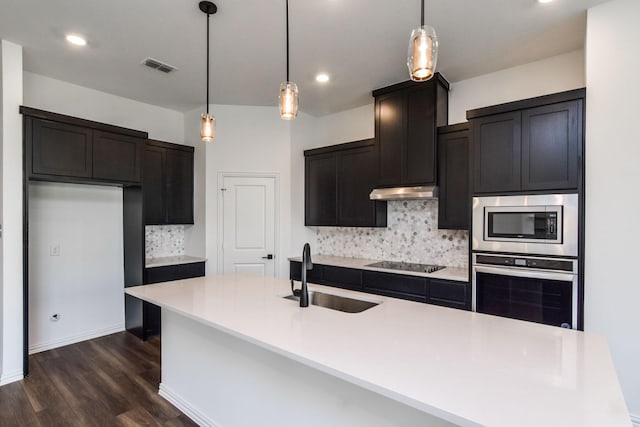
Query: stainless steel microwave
x=543, y=224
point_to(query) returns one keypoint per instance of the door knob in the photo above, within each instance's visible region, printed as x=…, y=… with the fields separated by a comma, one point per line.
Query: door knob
x=270, y=256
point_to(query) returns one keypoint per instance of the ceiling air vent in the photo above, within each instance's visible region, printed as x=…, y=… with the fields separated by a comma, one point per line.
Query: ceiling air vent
x=158, y=65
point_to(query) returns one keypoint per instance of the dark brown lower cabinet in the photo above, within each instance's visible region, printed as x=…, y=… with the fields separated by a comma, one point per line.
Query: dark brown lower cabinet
x=143, y=318
x=447, y=293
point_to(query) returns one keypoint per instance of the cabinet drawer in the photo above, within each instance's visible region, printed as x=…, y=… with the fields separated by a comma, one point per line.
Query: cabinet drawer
x=449, y=293
x=395, y=285
x=342, y=277
x=173, y=272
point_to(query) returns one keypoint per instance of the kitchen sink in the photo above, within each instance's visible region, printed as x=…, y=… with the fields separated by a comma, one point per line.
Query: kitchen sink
x=335, y=302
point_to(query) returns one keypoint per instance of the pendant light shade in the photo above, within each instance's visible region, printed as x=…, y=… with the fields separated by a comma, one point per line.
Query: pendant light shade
x=423, y=51
x=288, y=90
x=207, y=127
x=288, y=100
x=208, y=122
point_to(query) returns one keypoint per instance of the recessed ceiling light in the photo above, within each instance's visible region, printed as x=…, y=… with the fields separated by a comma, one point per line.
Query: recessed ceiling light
x=76, y=40
x=545, y=1
x=322, y=78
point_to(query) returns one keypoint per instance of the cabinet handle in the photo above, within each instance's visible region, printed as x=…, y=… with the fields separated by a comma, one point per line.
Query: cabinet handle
x=270, y=256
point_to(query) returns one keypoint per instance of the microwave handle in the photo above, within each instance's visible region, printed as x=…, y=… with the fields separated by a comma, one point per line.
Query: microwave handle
x=532, y=274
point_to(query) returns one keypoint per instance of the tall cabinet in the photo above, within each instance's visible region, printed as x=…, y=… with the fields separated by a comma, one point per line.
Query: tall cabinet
x=407, y=116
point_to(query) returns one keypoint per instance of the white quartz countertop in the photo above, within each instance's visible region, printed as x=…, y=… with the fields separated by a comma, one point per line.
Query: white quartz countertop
x=468, y=368
x=447, y=273
x=172, y=260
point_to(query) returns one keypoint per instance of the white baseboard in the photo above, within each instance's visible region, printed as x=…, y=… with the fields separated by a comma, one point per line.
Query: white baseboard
x=37, y=348
x=196, y=415
x=11, y=377
x=635, y=420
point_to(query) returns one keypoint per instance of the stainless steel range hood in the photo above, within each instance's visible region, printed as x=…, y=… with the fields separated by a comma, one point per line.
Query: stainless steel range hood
x=404, y=193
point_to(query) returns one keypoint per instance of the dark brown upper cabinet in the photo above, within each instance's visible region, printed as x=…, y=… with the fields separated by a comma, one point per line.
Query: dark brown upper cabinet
x=67, y=149
x=117, y=157
x=406, y=119
x=338, y=180
x=61, y=149
x=454, y=198
x=498, y=147
x=533, y=145
x=167, y=183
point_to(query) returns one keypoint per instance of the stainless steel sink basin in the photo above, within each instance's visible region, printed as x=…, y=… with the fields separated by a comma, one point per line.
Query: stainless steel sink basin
x=336, y=302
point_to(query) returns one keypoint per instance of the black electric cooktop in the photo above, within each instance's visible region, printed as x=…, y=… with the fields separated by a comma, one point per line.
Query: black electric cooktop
x=406, y=266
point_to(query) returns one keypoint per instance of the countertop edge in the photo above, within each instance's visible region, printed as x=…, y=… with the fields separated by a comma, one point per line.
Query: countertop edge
x=456, y=274
x=172, y=260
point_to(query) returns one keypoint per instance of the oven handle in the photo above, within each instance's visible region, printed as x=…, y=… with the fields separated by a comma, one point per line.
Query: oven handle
x=533, y=274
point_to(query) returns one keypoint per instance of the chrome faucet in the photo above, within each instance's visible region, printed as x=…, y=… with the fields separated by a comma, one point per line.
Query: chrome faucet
x=306, y=265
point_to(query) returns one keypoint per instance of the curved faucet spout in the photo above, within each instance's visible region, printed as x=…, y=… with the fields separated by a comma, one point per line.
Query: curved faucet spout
x=306, y=265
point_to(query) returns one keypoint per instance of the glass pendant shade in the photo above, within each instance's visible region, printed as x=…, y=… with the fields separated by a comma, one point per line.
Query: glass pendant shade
x=207, y=127
x=423, y=53
x=288, y=100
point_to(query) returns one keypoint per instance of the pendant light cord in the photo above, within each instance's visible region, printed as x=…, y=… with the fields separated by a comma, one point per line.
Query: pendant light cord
x=422, y=14
x=287, y=9
x=208, y=16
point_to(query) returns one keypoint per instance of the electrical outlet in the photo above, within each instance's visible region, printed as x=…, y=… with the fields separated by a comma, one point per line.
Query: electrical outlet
x=54, y=250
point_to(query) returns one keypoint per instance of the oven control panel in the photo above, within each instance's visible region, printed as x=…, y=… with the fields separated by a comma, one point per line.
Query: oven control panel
x=526, y=262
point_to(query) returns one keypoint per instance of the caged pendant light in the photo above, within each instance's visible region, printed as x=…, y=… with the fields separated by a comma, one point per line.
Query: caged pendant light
x=207, y=127
x=288, y=99
x=423, y=51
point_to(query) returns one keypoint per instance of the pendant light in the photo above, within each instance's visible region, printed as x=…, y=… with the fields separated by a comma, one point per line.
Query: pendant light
x=288, y=90
x=423, y=51
x=207, y=127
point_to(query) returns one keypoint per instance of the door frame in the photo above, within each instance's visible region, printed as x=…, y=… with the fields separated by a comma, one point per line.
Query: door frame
x=220, y=220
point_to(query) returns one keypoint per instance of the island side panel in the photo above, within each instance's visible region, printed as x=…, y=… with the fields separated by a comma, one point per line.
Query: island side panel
x=220, y=380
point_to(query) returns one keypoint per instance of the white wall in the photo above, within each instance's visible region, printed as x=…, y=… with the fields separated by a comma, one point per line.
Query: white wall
x=250, y=140
x=551, y=75
x=61, y=97
x=612, y=288
x=85, y=283
x=11, y=144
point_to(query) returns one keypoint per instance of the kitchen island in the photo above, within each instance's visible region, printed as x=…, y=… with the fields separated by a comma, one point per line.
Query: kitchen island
x=235, y=353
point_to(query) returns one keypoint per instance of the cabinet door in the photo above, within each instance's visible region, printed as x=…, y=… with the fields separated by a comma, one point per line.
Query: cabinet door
x=449, y=293
x=153, y=186
x=321, y=190
x=117, y=157
x=394, y=285
x=550, y=144
x=496, y=153
x=356, y=178
x=419, y=154
x=61, y=149
x=453, y=165
x=179, y=186
x=390, y=134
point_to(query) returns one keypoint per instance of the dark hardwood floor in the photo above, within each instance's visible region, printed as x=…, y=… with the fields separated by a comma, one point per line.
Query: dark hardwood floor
x=107, y=381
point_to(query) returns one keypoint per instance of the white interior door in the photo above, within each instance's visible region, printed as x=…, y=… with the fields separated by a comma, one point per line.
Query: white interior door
x=249, y=225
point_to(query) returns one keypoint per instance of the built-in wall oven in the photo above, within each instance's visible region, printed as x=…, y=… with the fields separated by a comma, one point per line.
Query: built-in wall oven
x=525, y=258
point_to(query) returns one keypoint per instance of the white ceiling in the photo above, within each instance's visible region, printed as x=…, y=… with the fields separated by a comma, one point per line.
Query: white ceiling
x=362, y=44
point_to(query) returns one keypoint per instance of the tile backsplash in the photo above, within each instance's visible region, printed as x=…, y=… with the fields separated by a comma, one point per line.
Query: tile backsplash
x=411, y=235
x=164, y=240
